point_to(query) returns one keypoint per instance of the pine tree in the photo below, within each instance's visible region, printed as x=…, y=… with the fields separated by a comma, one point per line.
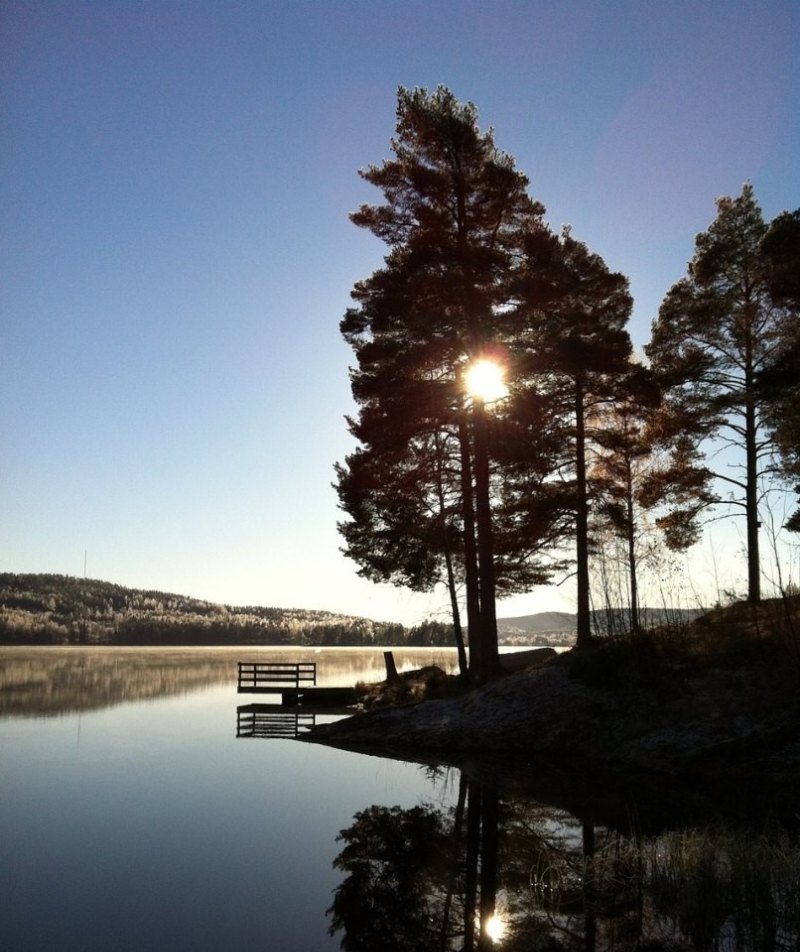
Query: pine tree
x=473, y=272
x=717, y=330
x=576, y=359
x=621, y=468
x=454, y=210
x=780, y=382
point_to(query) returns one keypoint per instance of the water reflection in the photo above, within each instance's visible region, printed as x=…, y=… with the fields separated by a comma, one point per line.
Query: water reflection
x=493, y=871
x=273, y=720
x=151, y=826
x=53, y=681
x=46, y=681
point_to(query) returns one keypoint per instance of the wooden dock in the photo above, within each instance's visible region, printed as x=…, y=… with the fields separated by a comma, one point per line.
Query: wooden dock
x=294, y=682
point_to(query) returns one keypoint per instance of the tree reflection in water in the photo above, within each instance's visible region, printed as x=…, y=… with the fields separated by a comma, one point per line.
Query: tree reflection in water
x=492, y=872
x=420, y=878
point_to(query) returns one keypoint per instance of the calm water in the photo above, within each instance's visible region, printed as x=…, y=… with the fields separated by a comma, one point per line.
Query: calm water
x=132, y=817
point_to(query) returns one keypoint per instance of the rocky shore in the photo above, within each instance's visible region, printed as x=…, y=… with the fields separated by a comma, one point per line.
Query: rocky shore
x=719, y=699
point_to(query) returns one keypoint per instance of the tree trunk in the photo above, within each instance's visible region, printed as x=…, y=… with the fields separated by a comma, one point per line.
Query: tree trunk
x=457, y=630
x=489, y=660
x=448, y=561
x=391, y=667
x=751, y=496
x=470, y=550
x=584, y=634
x=631, y=540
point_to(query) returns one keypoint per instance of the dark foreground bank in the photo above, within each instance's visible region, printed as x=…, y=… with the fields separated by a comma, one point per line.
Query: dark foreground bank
x=718, y=699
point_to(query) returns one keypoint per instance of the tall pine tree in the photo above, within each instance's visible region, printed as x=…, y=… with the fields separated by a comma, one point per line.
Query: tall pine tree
x=780, y=381
x=717, y=331
x=575, y=361
x=454, y=211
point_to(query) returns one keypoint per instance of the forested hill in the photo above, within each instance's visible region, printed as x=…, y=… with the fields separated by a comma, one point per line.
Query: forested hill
x=559, y=628
x=60, y=609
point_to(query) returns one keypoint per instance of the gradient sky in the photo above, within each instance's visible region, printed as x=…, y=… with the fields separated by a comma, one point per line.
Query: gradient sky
x=176, y=253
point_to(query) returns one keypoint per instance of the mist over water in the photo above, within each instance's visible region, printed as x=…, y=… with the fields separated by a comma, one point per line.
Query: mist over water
x=46, y=680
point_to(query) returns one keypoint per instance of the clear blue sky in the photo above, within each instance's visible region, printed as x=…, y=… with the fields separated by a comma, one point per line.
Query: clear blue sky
x=176, y=253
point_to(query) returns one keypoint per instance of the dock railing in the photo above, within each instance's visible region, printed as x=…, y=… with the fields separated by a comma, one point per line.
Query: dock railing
x=276, y=675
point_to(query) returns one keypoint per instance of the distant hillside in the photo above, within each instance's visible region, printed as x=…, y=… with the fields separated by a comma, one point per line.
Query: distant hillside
x=60, y=609
x=559, y=628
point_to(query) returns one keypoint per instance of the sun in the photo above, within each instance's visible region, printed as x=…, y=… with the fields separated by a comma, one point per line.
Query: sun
x=485, y=380
x=495, y=928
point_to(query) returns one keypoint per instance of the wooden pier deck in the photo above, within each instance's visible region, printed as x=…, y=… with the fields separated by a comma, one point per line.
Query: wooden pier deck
x=294, y=682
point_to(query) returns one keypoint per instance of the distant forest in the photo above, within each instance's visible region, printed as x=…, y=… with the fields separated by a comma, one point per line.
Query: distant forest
x=63, y=610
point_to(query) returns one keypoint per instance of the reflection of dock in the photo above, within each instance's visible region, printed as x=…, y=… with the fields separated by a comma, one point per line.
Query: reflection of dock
x=272, y=720
x=295, y=683
x=281, y=720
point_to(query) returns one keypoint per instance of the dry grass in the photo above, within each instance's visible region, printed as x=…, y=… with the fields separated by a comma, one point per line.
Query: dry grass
x=754, y=642
x=410, y=687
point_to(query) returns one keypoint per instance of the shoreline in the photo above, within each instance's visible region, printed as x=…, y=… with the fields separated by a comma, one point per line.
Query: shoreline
x=701, y=727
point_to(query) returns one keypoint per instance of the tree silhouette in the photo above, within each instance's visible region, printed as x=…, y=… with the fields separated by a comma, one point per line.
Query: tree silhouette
x=620, y=471
x=472, y=271
x=717, y=330
x=780, y=381
x=455, y=209
x=576, y=360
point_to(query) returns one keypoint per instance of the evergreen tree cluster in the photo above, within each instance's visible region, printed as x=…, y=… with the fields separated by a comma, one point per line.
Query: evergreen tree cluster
x=587, y=440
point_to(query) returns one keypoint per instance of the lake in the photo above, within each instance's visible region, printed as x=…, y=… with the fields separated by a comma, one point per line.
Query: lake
x=133, y=817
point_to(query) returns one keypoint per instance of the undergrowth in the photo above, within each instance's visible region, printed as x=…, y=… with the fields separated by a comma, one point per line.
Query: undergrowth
x=759, y=639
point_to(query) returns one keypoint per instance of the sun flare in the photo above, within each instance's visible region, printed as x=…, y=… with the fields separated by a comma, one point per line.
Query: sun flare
x=485, y=380
x=495, y=928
